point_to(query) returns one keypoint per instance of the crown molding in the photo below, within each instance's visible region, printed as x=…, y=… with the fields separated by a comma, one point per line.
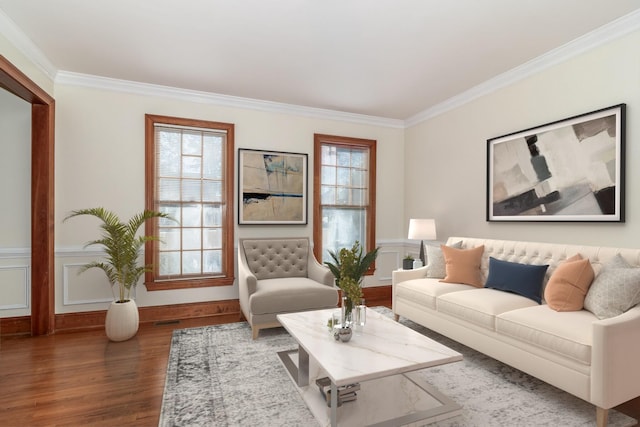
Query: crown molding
x=16, y=36
x=603, y=35
x=147, y=89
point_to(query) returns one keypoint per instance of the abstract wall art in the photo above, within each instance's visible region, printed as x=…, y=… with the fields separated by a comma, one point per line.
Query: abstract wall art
x=567, y=170
x=272, y=187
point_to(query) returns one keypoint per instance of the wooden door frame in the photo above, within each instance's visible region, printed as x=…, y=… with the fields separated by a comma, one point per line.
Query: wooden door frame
x=42, y=194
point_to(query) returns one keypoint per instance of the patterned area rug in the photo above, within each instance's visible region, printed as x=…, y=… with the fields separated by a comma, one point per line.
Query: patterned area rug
x=219, y=376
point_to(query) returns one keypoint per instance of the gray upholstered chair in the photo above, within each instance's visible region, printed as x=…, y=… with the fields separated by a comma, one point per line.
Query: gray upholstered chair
x=281, y=275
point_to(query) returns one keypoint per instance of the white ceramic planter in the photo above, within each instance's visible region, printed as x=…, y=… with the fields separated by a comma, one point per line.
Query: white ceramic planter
x=122, y=320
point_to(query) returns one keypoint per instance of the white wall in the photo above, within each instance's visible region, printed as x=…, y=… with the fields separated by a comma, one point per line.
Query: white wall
x=433, y=169
x=445, y=157
x=100, y=162
x=15, y=215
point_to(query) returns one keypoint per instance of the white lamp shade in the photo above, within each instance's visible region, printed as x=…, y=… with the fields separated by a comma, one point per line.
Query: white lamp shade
x=422, y=229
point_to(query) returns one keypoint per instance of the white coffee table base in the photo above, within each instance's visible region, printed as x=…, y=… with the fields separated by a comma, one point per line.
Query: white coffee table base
x=397, y=400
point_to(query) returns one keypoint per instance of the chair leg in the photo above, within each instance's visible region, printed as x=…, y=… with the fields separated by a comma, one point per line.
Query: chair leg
x=396, y=317
x=254, y=332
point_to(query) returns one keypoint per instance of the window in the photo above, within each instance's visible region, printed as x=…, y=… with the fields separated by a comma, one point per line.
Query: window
x=344, y=194
x=189, y=176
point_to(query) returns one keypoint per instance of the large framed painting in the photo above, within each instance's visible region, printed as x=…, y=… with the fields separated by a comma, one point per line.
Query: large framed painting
x=569, y=170
x=272, y=187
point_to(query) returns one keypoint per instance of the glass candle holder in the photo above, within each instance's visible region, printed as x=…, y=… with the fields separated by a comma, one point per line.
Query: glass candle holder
x=361, y=313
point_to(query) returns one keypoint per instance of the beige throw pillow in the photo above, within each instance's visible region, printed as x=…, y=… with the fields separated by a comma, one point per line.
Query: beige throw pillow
x=568, y=285
x=463, y=265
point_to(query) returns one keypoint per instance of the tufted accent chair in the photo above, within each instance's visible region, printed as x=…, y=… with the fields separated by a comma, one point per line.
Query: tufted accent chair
x=281, y=275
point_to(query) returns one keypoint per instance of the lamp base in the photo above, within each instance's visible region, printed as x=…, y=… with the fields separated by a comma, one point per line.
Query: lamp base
x=422, y=252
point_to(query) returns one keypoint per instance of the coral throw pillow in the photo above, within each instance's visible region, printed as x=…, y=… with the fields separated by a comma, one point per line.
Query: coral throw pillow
x=568, y=285
x=463, y=265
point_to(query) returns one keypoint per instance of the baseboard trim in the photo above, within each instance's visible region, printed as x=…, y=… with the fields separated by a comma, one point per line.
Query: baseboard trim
x=88, y=320
x=10, y=326
x=377, y=295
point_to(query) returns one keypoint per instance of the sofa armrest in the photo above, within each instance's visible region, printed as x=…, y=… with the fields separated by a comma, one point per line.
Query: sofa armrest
x=615, y=374
x=318, y=272
x=398, y=276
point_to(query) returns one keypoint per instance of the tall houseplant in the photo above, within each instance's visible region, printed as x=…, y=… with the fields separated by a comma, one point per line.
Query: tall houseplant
x=349, y=268
x=123, y=247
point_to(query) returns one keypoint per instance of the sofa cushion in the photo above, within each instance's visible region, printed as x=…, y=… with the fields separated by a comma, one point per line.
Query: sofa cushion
x=463, y=265
x=285, y=295
x=615, y=289
x=481, y=306
x=568, y=285
x=566, y=333
x=436, y=266
x=425, y=291
x=521, y=279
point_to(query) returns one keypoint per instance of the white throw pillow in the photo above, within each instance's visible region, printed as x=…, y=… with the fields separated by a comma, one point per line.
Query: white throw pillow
x=614, y=290
x=436, y=267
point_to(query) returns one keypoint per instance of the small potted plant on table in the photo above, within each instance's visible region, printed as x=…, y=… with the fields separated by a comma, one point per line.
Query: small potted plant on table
x=407, y=262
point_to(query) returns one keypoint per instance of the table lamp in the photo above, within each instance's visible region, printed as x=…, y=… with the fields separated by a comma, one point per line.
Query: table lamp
x=422, y=229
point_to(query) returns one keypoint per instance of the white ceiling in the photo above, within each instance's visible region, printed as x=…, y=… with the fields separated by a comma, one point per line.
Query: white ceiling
x=384, y=58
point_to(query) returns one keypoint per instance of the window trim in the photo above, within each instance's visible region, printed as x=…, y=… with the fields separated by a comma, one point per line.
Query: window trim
x=370, y=210
x=151, y=227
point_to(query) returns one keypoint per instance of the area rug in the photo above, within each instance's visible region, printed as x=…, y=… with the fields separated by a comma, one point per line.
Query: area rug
x=219, y=376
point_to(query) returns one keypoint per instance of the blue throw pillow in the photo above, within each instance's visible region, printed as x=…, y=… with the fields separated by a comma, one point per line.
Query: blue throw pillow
x=521, y=279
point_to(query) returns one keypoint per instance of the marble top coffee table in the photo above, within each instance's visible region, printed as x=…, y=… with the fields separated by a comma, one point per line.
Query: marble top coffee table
x=383, y=357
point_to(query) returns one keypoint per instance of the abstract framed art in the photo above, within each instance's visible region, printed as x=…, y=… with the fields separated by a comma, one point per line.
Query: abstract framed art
x=568, y=170
x=272, y=187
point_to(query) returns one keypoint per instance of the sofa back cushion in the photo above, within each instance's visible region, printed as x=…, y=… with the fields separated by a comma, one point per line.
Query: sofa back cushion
x=552, y=254
x=275, y=258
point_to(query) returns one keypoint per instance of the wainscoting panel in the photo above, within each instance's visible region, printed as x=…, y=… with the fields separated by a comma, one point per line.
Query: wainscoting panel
x=88, y=287
x=14, y=287
x=387, y=261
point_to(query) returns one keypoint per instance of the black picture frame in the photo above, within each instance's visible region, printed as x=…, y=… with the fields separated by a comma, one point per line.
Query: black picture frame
x=568, y=170
x=272, y=187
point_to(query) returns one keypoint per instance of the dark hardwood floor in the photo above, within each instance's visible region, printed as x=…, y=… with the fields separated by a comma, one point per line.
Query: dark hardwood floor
x=82, y=379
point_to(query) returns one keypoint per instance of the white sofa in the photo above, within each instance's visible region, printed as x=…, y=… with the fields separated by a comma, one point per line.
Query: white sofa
x=595, y=360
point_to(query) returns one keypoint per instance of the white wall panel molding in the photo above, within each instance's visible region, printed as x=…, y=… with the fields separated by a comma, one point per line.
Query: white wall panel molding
x=9, y=253
x=15, y=284
x=78, y=251
x=388, y=260
x=70, y=271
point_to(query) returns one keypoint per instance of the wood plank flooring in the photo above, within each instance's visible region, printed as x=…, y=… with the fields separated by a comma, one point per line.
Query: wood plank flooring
x=82, y=379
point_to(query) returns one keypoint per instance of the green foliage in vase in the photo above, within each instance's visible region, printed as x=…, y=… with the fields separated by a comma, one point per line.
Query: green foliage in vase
x=122, y=247
x=349, y=267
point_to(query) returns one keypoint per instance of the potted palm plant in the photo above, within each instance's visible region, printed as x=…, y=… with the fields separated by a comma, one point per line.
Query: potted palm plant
x=123, y=248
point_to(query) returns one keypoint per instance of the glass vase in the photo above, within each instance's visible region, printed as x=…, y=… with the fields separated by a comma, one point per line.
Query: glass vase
x=347, y=312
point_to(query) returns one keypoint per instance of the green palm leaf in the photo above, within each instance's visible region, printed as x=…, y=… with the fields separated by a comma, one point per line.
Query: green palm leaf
x=122, y=247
